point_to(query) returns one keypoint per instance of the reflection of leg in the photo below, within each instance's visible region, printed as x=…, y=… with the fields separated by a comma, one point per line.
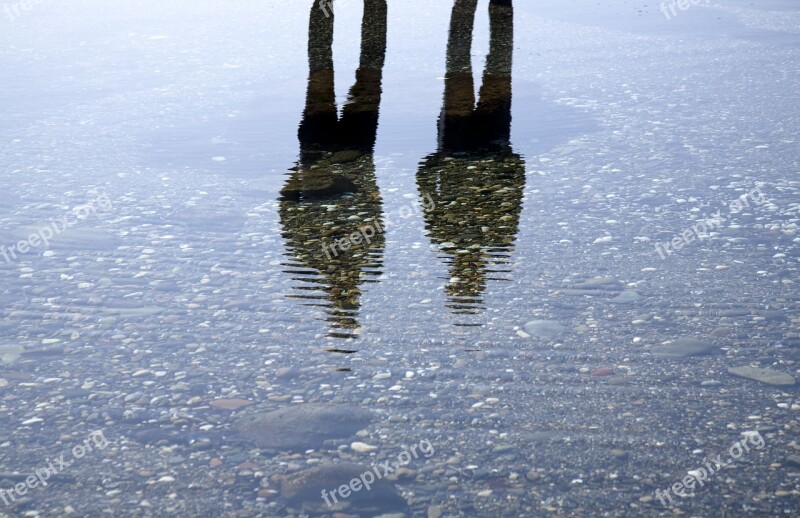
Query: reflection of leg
x=459, y=43
x=493, y=113
x=501, y=45
x=358, y=127
x=319, y=116
x=320, y=38
x=459, y=93
x=359, y=123
x=373, y=34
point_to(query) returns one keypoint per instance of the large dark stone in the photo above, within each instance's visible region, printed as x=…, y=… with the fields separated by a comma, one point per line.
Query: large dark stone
x=303, y=427
x=305, y=489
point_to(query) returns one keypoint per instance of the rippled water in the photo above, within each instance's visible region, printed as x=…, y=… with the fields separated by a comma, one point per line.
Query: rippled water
x=535, y=239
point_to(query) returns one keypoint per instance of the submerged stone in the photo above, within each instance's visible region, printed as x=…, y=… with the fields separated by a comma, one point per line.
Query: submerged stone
x=303, y=427
x=545, y=328
x=348, y=155
x=627, y=297
x=684, y=348
x=366, y=491
x=306, y=185
x=768, y=376
x=9, y=353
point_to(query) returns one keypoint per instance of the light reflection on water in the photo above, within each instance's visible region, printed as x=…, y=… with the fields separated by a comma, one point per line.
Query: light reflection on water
x=416, y=219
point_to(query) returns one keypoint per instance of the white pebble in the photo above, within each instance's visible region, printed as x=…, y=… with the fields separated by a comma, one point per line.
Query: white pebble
x=362, y=447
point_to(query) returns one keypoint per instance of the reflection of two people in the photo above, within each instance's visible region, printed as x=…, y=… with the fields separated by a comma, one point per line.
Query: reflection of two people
x=332, y=195
x=474, y=179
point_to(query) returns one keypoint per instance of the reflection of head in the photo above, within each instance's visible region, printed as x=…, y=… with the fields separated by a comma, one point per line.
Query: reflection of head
x=332, y=192
x=475, y=179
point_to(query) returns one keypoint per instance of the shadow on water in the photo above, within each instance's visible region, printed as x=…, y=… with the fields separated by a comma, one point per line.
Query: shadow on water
x=330, y=206
x=475, y=178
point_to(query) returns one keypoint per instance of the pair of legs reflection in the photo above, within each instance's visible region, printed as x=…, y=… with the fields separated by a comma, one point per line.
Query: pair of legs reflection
x=331, y=209
x=474, y=178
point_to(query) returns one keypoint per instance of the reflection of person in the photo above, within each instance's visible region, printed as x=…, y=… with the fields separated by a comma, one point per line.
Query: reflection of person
x=475, y=179
x=332, y=192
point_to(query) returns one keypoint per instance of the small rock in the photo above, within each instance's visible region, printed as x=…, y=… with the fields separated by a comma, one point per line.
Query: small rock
x=230, y=404
x=683, y=348
x=768, y=376
x=286, y=373
x=405, y=474
x=266, y=493
x=342, y=157
x=627, y=297
x=619, y=454
x=545, y=329
x=721, y=332
x=602, y=371
x=362, y=447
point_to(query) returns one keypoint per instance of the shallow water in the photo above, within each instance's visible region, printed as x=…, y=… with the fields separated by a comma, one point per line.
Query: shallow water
x=542, y=265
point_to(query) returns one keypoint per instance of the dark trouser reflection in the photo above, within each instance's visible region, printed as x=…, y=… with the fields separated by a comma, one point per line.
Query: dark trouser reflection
x=474, y=179
x=330, y=207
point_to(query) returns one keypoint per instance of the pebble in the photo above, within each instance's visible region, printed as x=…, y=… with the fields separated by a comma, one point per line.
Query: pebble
x=405, y=474
x=362, y=447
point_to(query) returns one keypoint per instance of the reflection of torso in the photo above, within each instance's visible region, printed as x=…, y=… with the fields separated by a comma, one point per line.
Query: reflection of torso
x=330, y=207
x=476, y=201
x=474, y=180
x=322, y=205
x=474, y=216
